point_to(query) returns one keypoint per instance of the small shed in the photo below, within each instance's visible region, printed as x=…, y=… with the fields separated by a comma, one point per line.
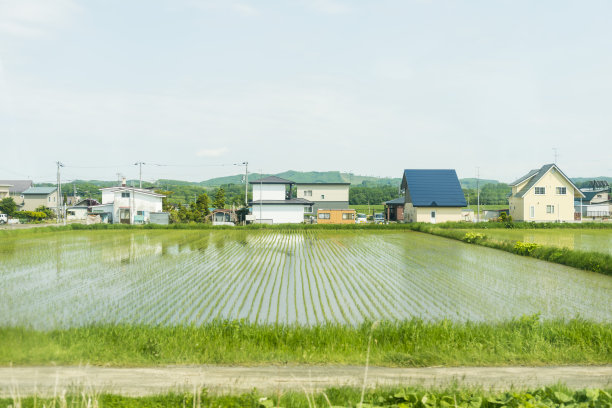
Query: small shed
x=394, y=209
x=221, y=216
x=334, y=216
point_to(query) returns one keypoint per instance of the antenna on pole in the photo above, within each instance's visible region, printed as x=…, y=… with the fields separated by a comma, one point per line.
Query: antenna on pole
x=556, y=154
x=59, y=190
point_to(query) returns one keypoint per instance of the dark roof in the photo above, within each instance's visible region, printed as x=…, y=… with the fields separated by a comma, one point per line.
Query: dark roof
x=40, y=190
x=400, y=200
x=537, y=176
x=17, y=186
x=433, y=188
x=589, y=195
x=271, y=180
x=525, y=177
x=300, y=201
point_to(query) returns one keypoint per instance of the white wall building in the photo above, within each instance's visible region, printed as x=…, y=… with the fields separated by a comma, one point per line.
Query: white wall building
x=128, y=205
x=273, y=203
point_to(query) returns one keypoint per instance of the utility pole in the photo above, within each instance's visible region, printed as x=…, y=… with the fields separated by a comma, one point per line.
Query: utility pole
x=260, y=192
x=140, y=165
x=478, y=192
x=59, y=190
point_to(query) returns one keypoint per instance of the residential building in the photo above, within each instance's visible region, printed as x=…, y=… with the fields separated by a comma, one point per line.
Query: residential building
x=335, y=216
x=35, y=197
x=329, y=196
x=596, y=203
x=273, y=202
x=394, y=209
x=4, y=190
x=544, y=195
x=432, y=196
x=16, y=189
x=128, y=205
x=80, y=210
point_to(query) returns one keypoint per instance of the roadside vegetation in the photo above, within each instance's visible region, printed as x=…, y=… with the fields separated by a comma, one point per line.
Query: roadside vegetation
x=413, y=343
x=405, y=397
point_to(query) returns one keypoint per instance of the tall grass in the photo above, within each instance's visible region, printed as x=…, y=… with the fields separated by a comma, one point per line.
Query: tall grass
x=410, y=343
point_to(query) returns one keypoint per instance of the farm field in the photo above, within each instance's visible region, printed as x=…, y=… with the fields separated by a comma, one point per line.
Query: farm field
x=578, y=239
x=173, y=277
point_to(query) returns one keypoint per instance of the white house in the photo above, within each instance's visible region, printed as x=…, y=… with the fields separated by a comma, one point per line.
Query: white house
x=328, y=196
x=128, y=205
x=273, y=202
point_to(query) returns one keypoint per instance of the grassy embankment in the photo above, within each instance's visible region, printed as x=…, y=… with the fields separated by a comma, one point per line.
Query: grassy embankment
x=523, y=341
x=556, y=396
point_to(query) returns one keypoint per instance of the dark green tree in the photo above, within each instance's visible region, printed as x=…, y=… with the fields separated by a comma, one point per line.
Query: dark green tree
x=8, y=206
x=219, y=201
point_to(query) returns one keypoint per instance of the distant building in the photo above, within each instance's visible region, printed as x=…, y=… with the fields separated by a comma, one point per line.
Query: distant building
x=394, y=209
x=80, y=210
x=330, y=196
x=128, y=205
x=35, y=197
x=596, y=203
x=544, y=195
x=273, y=202
x=432, y=196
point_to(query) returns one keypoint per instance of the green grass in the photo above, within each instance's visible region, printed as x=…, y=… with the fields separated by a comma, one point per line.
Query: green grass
x=413, y=343
x=368, y=210
x=406, y=397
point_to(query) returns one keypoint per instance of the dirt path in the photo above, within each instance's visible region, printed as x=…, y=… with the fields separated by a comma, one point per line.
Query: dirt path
x=145, y=381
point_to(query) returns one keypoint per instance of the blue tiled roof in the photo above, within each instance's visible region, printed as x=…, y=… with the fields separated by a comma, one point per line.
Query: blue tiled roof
x=39, y=190
x=434, y=188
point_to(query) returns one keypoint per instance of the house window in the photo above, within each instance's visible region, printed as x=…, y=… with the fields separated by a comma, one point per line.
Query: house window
x=532, y=212
x=598, y=195
x=125, y=194
x=561, y=190
x=49, y=199
x=307, y=193
x=540, y=190
x=139, y=212
x=308, y=209
x=550, y=209
x=324, y=216
x=348, y=216
x=322, y=196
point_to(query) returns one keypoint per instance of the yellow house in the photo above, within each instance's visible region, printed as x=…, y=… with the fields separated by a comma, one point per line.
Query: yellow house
x=432, y=196
x=544, y=195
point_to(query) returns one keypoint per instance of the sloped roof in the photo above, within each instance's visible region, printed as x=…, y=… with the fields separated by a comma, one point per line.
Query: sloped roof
x=525, y=177
x=433, y=188
x=293, y=201
x=271, y=180
x=17, y=186
x=400, y=200
x=39, y=190
x=134, y=189
x=537, y=176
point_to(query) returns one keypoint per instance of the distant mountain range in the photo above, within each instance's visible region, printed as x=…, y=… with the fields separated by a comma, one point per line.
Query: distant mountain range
x=306, y=177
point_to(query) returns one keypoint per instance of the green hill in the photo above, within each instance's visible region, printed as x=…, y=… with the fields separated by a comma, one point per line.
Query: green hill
x=471, y=182
x=307, y=177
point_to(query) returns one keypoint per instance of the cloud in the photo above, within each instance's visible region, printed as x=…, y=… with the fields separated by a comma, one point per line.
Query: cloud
x=212, y=152
x=34, y=18
x=245, y=9
x=237, y=7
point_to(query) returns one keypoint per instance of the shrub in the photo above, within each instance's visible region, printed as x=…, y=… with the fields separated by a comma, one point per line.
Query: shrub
x=525, y=248
x=473, y=237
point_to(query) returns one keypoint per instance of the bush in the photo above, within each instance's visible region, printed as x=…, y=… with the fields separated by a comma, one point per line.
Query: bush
x=525, y=248
x=30, y=215
x=473, y=237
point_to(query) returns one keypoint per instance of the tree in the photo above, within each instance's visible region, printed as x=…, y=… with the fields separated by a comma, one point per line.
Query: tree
x=49, y=213
x=8, y=206
x=219, y=201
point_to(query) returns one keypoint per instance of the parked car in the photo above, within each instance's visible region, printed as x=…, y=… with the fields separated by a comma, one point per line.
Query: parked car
x=379, y=218
x=361, y=219
x=3, y=218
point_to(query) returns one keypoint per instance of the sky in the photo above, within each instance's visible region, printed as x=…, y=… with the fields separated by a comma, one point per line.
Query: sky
x=192, y=87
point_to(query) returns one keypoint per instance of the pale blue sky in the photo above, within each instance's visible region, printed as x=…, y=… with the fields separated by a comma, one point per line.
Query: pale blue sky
x=371, y=87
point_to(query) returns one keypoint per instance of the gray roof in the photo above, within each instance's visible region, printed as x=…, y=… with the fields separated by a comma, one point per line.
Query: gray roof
x=39, y=190
x=433, y=188
x=272, y=180
x=400, y=200
x=525, y=177
x=318, y=183
x=293, y=201
x=537, y=176
x=17, y=186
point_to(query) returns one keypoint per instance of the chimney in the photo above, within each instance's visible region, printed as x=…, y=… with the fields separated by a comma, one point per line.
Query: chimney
x=123, y=182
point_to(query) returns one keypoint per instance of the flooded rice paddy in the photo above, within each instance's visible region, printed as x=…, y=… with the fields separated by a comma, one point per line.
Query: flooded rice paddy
x=167, y=277
x=578, y=239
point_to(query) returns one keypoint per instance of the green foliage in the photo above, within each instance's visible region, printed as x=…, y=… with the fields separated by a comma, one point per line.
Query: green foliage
x=8, y=206
x=49, y=213
x=489, y=194
x=363, y=195
x=396, y=397
x=525, y=248
x=30, y=215
x=219, y=201
x=473, y=237
x=408, y=343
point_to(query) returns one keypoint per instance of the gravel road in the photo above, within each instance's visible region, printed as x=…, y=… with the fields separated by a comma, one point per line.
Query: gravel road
x=147, y=381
